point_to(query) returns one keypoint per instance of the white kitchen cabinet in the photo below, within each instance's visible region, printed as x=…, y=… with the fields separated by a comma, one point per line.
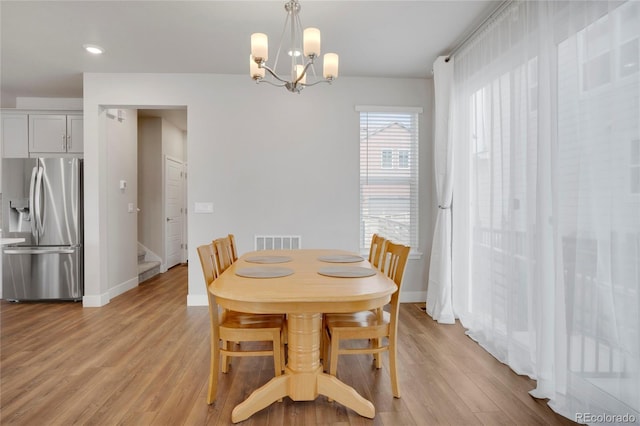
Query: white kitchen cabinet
x=15, y=135
x=75, y=134
x=55, y=133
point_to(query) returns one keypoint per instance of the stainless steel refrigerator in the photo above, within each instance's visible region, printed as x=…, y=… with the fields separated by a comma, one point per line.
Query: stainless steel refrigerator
x=42, y=203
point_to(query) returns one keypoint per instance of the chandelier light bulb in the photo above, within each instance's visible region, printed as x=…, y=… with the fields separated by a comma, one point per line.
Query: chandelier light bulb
x=260, y=46
x=330, y=66
x=311, y=41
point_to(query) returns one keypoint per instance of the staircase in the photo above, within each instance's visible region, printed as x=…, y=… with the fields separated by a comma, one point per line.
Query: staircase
x=146, y=269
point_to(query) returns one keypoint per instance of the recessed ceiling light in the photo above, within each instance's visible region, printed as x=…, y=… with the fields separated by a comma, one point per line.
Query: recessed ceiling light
x=93, y=49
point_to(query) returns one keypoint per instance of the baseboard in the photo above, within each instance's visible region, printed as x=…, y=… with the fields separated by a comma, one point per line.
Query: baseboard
x=123, y=287
x=95, y=301
x=413, y=296
x=197, y=300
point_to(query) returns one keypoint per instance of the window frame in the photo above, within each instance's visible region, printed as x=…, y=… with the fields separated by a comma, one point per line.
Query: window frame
x=406, y=178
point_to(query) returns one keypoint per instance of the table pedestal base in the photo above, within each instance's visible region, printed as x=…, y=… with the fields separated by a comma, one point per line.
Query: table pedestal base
x=303, y=379
x=281, y=386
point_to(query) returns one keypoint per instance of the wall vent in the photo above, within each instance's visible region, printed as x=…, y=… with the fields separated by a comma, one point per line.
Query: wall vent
x=278, y=242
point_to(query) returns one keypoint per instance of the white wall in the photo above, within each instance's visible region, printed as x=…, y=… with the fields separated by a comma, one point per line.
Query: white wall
x=271, y=162
x=121, y=137
x=172, y=141
x=151, y=217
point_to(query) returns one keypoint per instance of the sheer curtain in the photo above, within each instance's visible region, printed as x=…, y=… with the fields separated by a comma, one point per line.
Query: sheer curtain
x=439, y=295
x=546, y=254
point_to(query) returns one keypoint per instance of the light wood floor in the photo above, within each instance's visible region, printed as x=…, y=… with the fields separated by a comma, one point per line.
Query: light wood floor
x=143, y=359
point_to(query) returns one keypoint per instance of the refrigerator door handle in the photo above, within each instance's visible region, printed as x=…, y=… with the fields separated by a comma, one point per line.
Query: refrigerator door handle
x=38, y=202
x=38, y=251
x=32, y=185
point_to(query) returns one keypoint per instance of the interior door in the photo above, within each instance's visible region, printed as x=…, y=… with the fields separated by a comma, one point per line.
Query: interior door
x=174, y=221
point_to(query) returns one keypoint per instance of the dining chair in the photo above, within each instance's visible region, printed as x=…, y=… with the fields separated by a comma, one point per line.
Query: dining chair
x=234, y=247
x=373, y=326
x=375, y=250
x=230, y=326
x=222, y=253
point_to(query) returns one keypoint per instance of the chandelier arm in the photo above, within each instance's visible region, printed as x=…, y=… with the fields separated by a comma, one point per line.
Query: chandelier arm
x=272, y=72
x=304, y=70
x=271, y=83
x=328, y=80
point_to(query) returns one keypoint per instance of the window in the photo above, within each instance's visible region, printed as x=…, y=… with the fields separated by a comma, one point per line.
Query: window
x=387, y=158
x=403, y=159
x=389, y=174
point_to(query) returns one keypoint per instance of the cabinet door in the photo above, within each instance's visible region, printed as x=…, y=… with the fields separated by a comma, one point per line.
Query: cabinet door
x=15, y=136
x=75, y=134
x=47, y=133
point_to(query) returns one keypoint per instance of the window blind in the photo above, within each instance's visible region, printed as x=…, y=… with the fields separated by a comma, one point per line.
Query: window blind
x=389, y=175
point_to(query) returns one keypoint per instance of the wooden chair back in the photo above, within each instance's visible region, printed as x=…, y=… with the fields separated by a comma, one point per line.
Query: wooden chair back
x=392, y=264
x=210, y=273
x=234, y=247
x=205, y=253
x=207, y=261
x=375, y=251
x=222, y=254
x=393, y=261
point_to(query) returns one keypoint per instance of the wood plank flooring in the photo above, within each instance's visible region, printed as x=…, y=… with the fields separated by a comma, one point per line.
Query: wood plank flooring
x=143, y=360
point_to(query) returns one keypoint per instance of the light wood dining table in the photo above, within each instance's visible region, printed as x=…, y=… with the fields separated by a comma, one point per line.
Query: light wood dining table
x=304, y=295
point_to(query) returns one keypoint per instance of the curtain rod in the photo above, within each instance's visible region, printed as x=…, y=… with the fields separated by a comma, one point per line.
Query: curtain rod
x=492, y=15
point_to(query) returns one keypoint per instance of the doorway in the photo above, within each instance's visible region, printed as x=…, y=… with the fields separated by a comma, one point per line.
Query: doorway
x=162, y=218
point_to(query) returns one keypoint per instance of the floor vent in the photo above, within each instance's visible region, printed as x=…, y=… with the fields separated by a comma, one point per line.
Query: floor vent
x=278, y=242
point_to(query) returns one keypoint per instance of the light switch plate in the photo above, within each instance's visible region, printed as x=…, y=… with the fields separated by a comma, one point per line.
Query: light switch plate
x=203, y=207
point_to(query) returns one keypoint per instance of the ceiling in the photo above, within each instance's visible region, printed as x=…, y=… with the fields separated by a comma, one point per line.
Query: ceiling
x=42, y=54
x=177, y=117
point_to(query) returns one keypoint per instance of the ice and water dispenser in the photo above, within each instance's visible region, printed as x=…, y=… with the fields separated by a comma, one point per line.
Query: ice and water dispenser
x=19, y=219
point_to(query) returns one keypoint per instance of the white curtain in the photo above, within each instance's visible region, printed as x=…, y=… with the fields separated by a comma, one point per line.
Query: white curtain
x=546, y=250
x=439, y=297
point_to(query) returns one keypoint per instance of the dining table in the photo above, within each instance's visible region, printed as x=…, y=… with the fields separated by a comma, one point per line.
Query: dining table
x=304, y=284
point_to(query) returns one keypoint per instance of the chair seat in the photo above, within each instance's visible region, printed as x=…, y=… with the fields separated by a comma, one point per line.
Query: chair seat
x=357, y=320
x=242, y=320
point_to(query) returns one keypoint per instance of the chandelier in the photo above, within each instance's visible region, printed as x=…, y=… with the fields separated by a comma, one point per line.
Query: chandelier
x=304, y=49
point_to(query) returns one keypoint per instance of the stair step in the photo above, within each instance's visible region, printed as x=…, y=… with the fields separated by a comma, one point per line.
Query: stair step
x=147, y=270
x=141, y=254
